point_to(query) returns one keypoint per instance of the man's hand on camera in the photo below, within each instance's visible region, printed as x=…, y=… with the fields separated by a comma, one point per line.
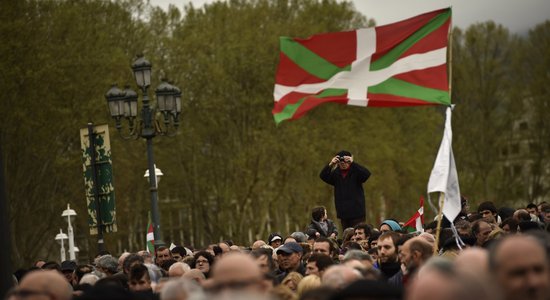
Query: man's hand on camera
x=334, y=161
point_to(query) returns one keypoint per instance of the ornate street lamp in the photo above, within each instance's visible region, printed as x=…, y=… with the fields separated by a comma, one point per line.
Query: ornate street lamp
x=59, y=238
x=70, y=215
x=158, y=174
x=124, y=104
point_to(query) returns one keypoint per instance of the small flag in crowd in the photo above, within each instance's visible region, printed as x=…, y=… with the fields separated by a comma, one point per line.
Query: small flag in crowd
x=399, y=64
x=150, y=238
x=417, y=221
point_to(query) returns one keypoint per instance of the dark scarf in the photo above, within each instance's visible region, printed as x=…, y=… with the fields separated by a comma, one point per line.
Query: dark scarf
x=389, y=269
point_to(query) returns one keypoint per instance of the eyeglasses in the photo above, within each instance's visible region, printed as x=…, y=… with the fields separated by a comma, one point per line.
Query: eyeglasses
x=200, y=261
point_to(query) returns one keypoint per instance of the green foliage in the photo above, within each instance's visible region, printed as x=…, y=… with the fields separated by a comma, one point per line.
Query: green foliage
x=55, y=56
x=482, y=84
x=534, y=126
x=230, y=173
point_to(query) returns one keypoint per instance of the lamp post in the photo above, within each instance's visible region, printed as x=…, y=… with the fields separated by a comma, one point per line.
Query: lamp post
x=158, y=174
x=70, y=214
x=59, y=238
x=124, y=103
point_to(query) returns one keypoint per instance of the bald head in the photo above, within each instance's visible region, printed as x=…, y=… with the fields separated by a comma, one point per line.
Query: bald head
x=48, y=282
x=178, y=269
x=520, y=266
x=473, y=261
x=195, y=275
x=257, y=244
x=438, y=279
x=428, y=237
x=237, y=270
x=340, y=276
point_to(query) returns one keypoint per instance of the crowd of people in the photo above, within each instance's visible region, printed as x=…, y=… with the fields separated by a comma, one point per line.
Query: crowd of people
x=493, y=254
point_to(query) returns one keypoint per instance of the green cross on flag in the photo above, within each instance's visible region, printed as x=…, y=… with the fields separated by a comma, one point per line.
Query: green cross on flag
x=399, y=64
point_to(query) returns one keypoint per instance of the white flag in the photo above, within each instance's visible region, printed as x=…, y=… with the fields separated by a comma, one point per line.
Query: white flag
x=444, y=177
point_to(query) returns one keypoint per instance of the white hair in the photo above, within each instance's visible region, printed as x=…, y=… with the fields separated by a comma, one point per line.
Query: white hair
x=155, y=274
x=179, y=265
x=181, y=289
x=339, y=276
x=89, y=278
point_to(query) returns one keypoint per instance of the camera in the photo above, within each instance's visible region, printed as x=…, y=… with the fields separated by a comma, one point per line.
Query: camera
x=341, y=159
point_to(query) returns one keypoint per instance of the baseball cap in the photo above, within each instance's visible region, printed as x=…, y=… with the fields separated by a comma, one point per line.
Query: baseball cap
x=273, y=237
x=289, y=248
x=68, y=265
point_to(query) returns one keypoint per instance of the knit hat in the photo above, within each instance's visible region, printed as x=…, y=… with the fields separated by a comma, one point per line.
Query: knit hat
x=344, y=153
x=393, y=225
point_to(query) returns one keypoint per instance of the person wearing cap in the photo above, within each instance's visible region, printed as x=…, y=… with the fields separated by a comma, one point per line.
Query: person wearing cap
x=289, y=256
x=389, y=225
x=275, y=240
x=67, y=268
x=347, y=177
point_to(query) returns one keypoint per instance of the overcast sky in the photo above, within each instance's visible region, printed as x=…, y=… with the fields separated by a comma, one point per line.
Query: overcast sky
x=516, y=15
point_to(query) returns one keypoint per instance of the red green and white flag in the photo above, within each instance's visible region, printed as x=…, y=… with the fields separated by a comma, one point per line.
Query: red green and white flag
x=150, y=238
x=417, y=220
x=399, y=64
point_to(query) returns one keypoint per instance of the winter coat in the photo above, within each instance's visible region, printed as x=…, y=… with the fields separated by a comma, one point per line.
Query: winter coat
x=315, y=226
x=349, y=197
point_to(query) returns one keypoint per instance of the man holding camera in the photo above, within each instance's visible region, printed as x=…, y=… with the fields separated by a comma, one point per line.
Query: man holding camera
x=347, y=177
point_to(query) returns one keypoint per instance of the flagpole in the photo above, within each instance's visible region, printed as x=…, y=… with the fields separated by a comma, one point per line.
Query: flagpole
x=439, y=219
x=450, y=39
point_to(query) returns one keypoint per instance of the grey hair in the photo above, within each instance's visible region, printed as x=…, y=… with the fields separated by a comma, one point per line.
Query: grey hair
x=175, y=289
x=89, y=278
x=463, y=286
x=108, y=262
x=155, y=274
x=299, y=236
x=179, y=265
x=339, y=276
x=442, y=265
x=357, y=255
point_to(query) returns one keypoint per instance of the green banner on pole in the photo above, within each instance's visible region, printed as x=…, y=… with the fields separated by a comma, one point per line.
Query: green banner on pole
x=103, y=179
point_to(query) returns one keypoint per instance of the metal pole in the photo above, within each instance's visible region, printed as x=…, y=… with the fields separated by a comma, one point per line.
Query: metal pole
x=91, y=137
x=155, y=213
x=6, y=280
x=149, y=133
x=63, y=255
x=72, y=255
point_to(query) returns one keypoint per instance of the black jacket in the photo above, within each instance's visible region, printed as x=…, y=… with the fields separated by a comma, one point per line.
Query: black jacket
x=349, y=197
